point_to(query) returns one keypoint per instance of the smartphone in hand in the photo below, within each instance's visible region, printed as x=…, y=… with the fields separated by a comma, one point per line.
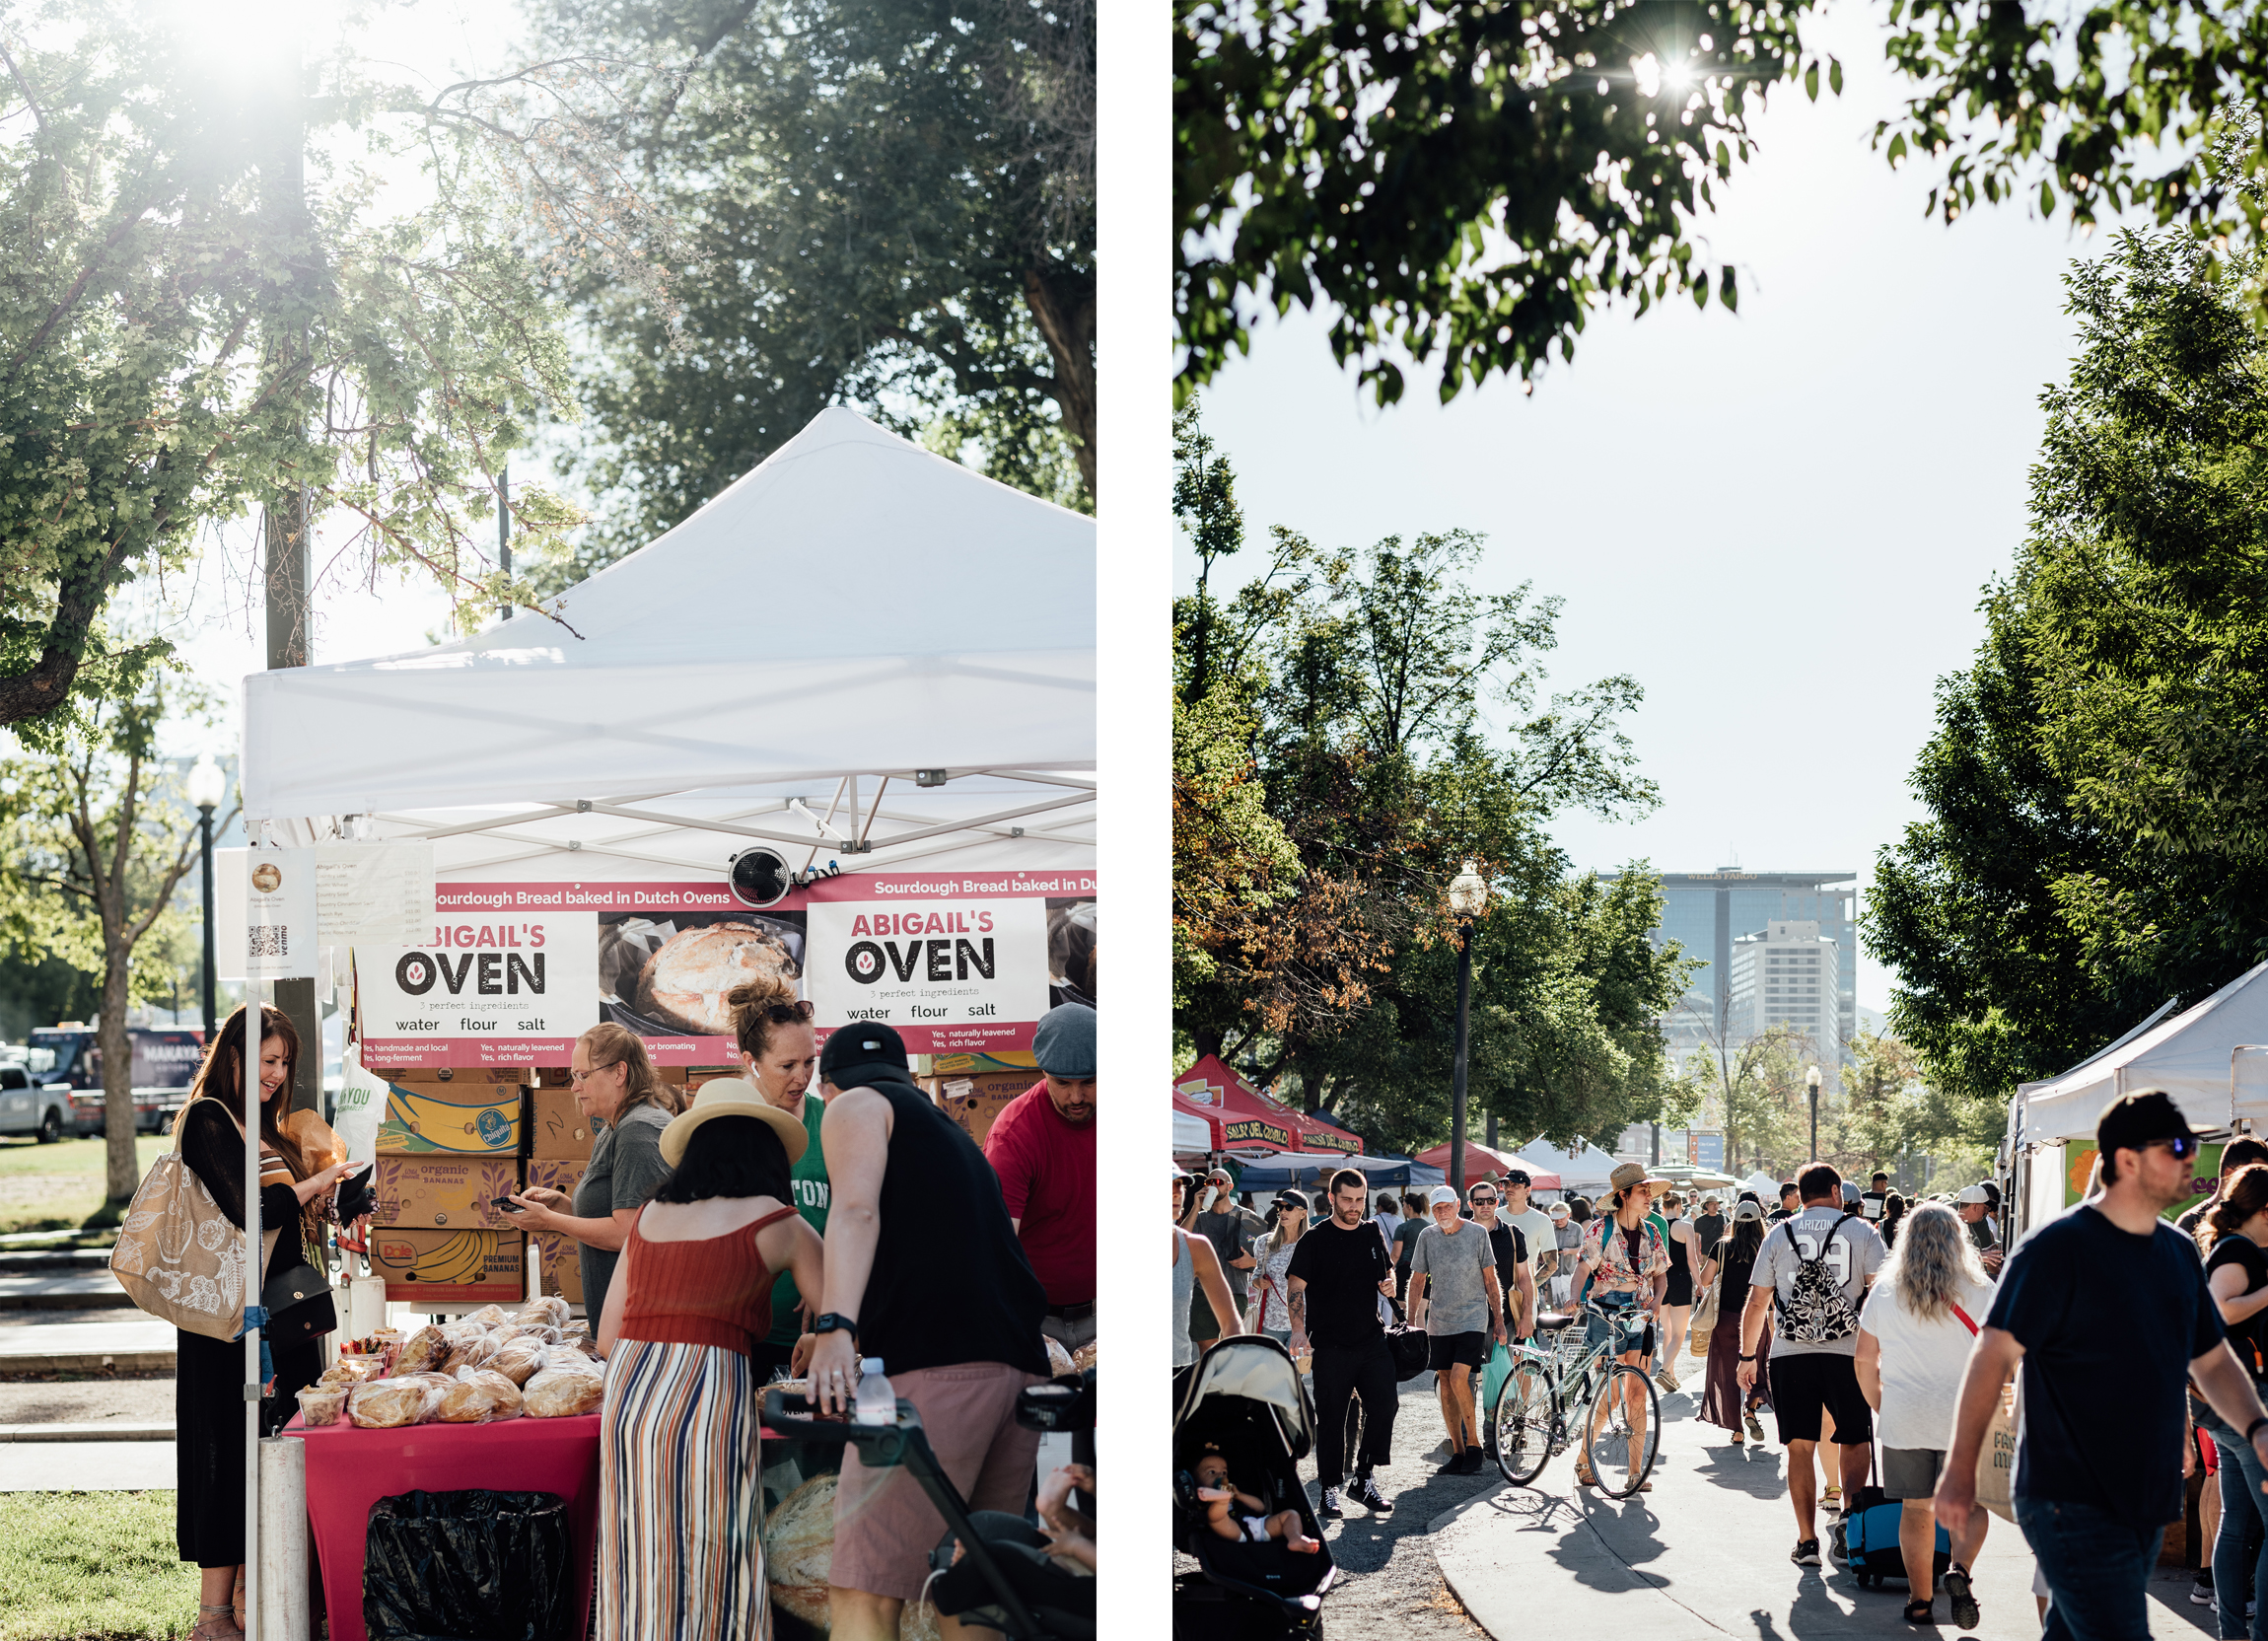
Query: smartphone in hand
x=506, y=1204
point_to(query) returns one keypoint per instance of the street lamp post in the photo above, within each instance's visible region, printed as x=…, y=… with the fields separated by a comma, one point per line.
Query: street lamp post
x=1812, y=1082
x=1467, y=895
x=207, y=787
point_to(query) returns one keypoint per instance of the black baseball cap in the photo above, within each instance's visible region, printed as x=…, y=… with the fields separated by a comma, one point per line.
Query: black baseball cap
x=2134, y=1120
x=861, y=1043
x=1516, y=1177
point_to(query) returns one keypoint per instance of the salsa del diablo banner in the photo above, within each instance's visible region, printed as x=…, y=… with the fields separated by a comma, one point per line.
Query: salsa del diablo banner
x=512, y=973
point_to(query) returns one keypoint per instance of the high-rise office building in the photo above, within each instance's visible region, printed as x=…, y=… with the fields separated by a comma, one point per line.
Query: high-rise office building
x=1706, y=912
x=1783, y=976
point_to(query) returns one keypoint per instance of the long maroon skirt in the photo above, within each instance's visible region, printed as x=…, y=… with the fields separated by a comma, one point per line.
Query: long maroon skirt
x=1721, y=1399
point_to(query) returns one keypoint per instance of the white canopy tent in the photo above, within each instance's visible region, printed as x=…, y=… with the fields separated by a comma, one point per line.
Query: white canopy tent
x=1584, y=1171
x=859, y=650
x=2212, y=1059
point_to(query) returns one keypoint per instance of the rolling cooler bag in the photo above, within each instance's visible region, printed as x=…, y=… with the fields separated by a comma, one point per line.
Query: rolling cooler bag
x=1871, y=1541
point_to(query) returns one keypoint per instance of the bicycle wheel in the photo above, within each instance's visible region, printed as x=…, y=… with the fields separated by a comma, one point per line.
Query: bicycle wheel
x=1520, y=1424
x=1620, y=1453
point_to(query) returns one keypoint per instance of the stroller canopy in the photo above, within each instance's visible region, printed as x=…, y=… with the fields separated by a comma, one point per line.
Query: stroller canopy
x=1255, y=1366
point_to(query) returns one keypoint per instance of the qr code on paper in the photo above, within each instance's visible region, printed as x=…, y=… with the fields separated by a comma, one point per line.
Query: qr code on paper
x=271, y=941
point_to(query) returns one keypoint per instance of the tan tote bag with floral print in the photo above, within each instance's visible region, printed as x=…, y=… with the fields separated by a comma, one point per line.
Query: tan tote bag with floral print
x=179, y=1257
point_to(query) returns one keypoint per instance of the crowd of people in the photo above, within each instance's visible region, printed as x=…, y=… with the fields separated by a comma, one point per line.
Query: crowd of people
x=1879, y=1333
x=783, y=1224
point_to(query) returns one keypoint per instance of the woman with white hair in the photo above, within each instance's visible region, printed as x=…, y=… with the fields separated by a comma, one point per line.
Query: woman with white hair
x=1914, y=1337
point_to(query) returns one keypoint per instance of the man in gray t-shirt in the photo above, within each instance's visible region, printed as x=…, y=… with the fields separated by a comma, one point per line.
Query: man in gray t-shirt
x=1454, y=1292
x=1813, y=1270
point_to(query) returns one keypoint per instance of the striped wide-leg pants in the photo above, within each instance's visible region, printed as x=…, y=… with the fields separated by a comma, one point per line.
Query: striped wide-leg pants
x=682, y=1507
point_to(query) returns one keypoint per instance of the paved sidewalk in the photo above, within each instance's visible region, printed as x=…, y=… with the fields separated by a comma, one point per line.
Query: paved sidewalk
x=1704, y=1557
x=60, y=1290
x=142, y=1345
x=87, y=1466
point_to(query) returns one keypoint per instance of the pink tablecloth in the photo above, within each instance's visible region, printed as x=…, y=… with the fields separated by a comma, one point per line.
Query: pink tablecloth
x=349, y=1469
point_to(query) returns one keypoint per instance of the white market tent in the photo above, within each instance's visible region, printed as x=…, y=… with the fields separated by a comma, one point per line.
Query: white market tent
x=859, y=650
x=1192, y=1138
x=1584, y=1171
x=2212, y=1059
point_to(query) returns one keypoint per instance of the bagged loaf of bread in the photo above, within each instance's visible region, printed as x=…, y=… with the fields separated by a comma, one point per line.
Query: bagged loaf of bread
x=562, y=1394
x=477, y=1397
x=426, y=1348
x=1058, y=1359
x=489, y=1315
x=520, y=1360
x=389, y=1403
x=544, y=1310
x=321, y=1404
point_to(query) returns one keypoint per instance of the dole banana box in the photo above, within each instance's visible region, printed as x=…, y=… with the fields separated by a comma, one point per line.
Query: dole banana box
x=443, y=1192
x=461, y=1117
x=557, y=1129
x=447, y=1267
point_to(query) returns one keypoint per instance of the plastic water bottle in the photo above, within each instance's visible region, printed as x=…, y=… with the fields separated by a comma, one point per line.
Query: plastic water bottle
x=877, y=1401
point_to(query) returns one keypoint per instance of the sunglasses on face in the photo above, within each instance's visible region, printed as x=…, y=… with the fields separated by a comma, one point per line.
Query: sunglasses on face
x=1484, y=1202
x=2182, y=1148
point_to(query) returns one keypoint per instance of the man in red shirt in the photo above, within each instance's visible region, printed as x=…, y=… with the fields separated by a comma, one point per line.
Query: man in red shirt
x=1043, y=1147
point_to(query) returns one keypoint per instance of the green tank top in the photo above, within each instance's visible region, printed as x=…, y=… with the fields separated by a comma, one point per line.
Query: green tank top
x=808, y=1180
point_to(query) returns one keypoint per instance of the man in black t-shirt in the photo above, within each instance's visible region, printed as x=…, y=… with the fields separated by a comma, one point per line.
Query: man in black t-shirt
x=1338, y=1270
x=1514, y=1278
x=1791, y=1203
x=2108, y=1313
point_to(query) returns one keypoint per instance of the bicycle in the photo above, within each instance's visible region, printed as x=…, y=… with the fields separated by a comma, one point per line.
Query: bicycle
x=1530, y=1419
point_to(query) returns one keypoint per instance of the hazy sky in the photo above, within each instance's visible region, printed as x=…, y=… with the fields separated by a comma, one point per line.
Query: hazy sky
x=1778, y=521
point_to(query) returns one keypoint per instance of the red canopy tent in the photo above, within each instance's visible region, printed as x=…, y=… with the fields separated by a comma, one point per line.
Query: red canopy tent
x=1205, y=1115
x=1249, y=1119
x=1479, y=1156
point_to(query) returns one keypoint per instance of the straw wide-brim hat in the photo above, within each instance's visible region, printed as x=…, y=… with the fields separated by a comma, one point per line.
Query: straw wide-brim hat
x=1630, y=1175
x=732, y=1097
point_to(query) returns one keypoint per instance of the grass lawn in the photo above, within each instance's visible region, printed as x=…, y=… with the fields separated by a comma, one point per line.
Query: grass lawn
x=82, y=1566
x=60, y=1186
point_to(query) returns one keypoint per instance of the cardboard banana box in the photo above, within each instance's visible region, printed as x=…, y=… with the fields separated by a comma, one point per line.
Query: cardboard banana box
x=973, y=1102
x=443, y=1192
x=556, y=1127
x=446, y=1268
x=559, y=1266
x=461, y=1117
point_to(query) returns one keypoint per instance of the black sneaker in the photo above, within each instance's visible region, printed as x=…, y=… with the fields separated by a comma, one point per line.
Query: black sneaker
x=1806, y=1553
x=1473, y=1463
x=1365, y=1492
x=1454, y=1464
x=1331, y=1507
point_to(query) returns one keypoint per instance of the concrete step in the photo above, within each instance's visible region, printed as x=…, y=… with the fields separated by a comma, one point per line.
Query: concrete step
x=74, y=1290
x=17, y=1262
x=143, y=1346
x=118, y=1431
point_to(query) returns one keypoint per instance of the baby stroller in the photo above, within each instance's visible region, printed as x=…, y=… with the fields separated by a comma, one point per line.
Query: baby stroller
x=1247, y=1399
x=1026, y=1603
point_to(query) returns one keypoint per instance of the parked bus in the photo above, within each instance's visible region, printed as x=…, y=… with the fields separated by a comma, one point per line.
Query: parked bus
x=164, y=1066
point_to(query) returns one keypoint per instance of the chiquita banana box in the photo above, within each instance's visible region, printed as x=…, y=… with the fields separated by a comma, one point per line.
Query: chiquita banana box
x=448, y=1266
x=466, y=1119
x=457, y=1192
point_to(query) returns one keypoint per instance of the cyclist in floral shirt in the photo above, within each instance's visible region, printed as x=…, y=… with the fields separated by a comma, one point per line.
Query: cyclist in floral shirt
x=1623, y=1265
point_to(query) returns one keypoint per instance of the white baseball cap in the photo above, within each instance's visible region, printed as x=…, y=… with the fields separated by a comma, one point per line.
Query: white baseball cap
x=1974, y=1193
x=1558, y=1208
x=1441, y=1195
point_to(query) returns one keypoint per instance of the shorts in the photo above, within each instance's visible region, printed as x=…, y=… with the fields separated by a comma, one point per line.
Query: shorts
x=884, y=1524
x=1457, y=1350
x=1909, y=1473
x=1639, y=1342
x=1802, y=1386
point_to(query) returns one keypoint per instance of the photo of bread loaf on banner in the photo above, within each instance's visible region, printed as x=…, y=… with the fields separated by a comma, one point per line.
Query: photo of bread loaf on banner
x=669, y=976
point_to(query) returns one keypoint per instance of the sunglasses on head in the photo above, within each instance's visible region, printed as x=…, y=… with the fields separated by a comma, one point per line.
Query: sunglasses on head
x=779, y=1014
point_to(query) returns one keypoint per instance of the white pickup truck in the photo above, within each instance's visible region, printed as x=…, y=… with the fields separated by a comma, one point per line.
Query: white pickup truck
x=27, y=1107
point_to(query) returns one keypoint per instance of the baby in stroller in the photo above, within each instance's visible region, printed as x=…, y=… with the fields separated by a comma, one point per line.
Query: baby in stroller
x=1223, y=1499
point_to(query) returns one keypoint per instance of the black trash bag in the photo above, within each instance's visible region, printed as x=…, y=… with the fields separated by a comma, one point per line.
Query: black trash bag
x=470, y=1566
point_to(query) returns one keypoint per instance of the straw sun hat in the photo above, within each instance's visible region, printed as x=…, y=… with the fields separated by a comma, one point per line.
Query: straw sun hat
x=731, y=1097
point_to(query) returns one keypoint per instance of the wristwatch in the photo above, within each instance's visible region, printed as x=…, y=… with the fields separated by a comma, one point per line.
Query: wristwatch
x=2253, y=1429
x=835, y=1322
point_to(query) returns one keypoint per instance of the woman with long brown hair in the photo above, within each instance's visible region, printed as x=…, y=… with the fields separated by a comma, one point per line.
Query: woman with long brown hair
x=628, y=1107
x=209, y=1374
x=2235, y=1240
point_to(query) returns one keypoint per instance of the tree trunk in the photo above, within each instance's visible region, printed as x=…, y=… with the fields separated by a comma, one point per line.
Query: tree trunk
x=122, y=1173
x=1062, y=304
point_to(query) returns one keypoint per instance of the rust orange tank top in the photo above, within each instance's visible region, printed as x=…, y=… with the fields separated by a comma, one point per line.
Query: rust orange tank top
x=708, y=1291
